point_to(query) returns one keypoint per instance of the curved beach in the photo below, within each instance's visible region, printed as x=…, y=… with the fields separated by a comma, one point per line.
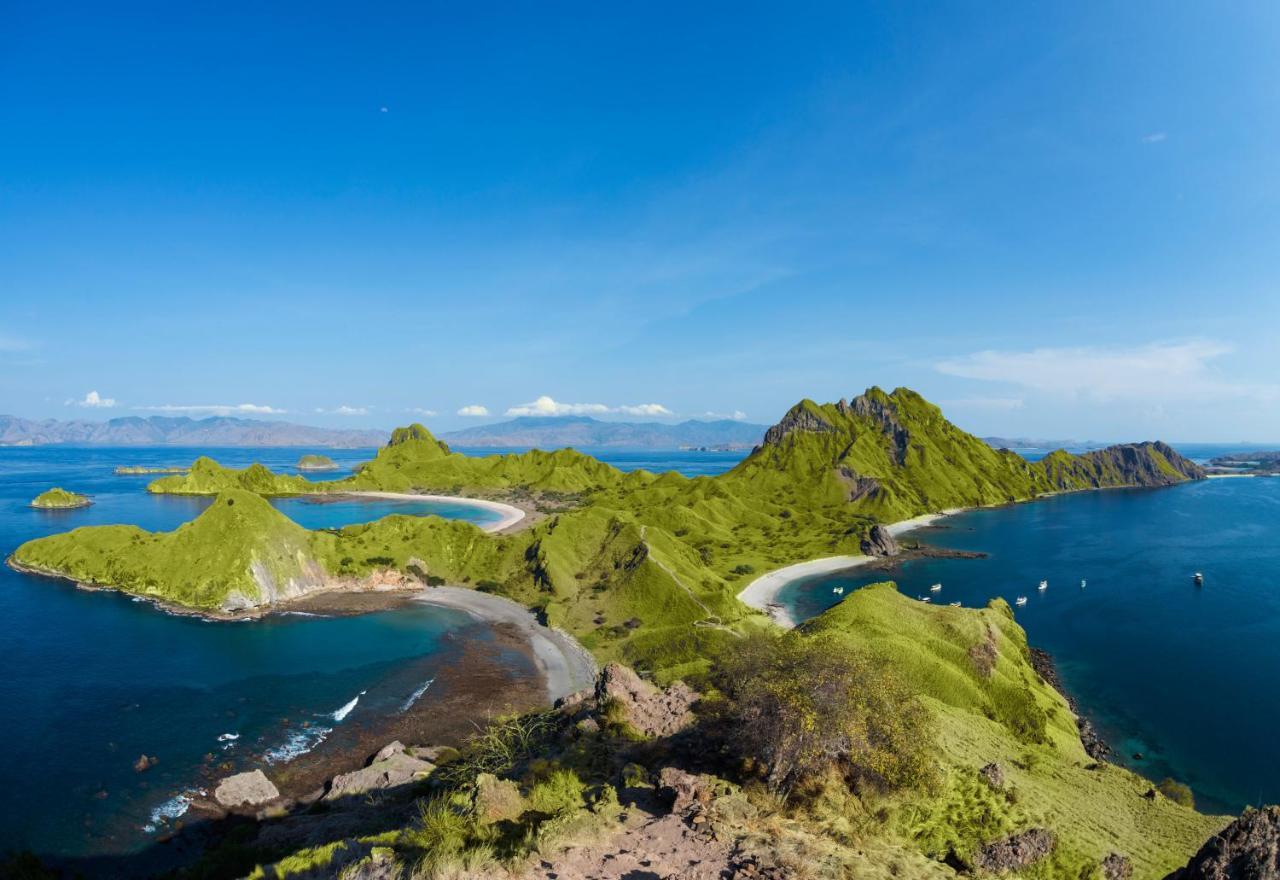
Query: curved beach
x=565, y=665
x=762, y=592
x=511, y=515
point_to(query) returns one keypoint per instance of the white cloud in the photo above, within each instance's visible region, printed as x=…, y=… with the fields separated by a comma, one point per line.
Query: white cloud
x=344, y=410
x=1155, y=137
x=216, y=409
x=94, y=400
x=1157, y=370
x=417, y=410
x=474, y=409
x=737, y=415
x=645, y=409
x=546, y=406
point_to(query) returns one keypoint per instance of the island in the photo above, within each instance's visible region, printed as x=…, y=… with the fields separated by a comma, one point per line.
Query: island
x=60, y=499
x=314, y=462
x=930, y=729
x=140, y=470
x=1251, y=464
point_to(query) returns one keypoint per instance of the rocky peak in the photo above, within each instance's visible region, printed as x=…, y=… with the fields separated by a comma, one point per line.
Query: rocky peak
x=804, y=416
x=877, y=407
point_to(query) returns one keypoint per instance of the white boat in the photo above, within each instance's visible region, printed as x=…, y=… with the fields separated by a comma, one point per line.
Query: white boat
x=1198, y=578
x=1021, y=600
x=839, y=591
x=923, y=598
x=1044, y=585
x=936, y=588
x=1083, y=582
x=955, y=604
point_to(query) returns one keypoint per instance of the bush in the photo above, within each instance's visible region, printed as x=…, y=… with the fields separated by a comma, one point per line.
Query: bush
x=800, y=705
x=1177, y=792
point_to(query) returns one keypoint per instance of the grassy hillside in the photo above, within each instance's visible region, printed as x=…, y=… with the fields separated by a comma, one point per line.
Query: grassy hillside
x=973, y=668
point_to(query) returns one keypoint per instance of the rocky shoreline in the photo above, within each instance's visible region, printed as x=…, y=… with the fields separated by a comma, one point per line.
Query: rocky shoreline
x=1093, y=743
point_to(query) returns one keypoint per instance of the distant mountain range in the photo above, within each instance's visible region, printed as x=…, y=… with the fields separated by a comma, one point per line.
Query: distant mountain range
x=1033, y=443
x=554, y=432
x=179, y=431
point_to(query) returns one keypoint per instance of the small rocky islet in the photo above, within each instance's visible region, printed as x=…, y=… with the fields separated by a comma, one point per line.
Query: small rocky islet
x=60, y=499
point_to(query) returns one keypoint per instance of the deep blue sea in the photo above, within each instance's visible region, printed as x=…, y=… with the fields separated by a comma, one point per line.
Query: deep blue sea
x=91, y=681
x=1184, y=676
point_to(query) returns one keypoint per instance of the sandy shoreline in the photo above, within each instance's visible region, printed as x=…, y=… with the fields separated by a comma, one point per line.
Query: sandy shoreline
x=565, y=665
x=762, y=593
x=511, y=515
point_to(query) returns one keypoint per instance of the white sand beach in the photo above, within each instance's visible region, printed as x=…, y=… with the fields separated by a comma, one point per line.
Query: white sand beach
x=510, y=513
x=762, y=593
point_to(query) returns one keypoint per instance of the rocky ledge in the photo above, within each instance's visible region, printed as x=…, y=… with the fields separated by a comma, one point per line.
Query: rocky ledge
x=1247, y=849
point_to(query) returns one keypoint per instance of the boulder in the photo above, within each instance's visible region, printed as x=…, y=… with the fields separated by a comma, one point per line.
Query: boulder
x=993, y=775
x=685, y=791
x=1116, y=867
x=391, y=767
x=1016, y=851
x=252, y=788
x=651, y=711
x=879, y=542
x=1247, y=849
x=496, y=799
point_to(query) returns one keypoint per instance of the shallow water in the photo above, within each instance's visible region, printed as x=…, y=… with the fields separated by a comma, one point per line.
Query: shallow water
x=1184, y=676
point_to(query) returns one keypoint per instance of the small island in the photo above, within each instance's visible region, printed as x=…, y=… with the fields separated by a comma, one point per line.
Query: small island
x=313, y=462
x=60, y=499
x=135, y=470
x=1246, y=464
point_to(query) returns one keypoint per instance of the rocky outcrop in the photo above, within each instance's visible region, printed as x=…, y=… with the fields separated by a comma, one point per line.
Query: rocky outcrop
x=1247, y=849
x=879, y=542
x=799, y=418
x=993, y=775
x=650, y=711
x=859, y=486
x=1092, y=741
x=496, y=800
x=252, y=788
x=876, y=407
x=1016, y=851
x=1116, y=867
x=392, y=766
x=682, y=790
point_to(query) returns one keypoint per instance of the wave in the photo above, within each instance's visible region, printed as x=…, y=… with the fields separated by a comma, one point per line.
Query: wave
x=296, y=744
x=413, y=698
x=172, y=809
x=346, y=709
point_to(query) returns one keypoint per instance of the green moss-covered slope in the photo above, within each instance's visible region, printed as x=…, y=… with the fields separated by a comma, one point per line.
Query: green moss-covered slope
x=973, y=669
x=60, y=499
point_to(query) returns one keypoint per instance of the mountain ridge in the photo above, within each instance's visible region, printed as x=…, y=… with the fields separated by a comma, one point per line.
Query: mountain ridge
x=180, y=431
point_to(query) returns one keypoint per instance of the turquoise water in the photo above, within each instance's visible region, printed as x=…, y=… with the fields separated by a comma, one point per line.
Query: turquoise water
x=1184, y=676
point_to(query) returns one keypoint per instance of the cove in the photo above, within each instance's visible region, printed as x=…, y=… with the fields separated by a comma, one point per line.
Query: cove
x=1183, y=677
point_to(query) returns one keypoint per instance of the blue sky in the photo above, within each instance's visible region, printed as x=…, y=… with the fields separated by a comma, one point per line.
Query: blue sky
x=1052, y=220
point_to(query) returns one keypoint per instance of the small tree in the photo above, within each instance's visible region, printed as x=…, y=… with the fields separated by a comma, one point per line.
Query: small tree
x=803, y=704
x=1177, y=792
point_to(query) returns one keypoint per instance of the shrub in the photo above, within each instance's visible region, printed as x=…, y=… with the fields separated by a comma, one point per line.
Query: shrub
x=1178, y=792
x=743, y=569
x=800, y=705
